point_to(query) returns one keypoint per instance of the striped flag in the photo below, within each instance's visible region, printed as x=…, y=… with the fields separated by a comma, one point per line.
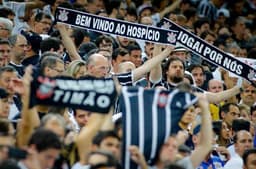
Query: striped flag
x=149, y=117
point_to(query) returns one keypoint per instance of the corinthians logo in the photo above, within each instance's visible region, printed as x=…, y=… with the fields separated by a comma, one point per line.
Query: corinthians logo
x=63, y=15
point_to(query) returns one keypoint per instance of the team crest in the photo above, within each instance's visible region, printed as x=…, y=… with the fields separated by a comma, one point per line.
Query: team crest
x=46, y=88
x=171, y=37
x=63, y=15
x=162, y=100
x=252, y=75
x=166, y=25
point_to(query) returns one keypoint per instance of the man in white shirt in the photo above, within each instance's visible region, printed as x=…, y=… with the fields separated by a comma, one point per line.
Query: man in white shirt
x=242, y=142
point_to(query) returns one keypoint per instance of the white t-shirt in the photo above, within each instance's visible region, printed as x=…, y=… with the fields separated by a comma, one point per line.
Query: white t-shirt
x=236, y=162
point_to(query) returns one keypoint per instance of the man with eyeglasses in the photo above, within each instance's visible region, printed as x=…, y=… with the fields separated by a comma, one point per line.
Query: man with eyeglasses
x=42, y=23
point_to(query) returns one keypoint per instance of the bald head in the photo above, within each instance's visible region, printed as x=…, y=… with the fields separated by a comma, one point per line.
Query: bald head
x=125, y=67
x=215, y=86
x=97, y=65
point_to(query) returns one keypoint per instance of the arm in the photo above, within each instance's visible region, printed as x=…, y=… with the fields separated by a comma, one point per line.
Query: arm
x=84, y=139
x=108, y=123
x=205, y=142
x=151, y=63
x=155, y=74
x=170, y=8
x=29, y=116
x=224, y=95
x=68, y=43
x=138, y=157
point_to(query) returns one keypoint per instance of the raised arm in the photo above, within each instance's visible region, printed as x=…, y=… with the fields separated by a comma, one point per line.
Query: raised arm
x=29, y=116
x=151, y=63
x=170, y=8
x=68, y=43
x=205, y=142
x=224, y=95
x=155, y=74
x=84, y=139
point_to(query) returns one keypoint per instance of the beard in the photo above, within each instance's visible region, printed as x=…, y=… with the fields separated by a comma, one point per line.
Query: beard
x=176, y=79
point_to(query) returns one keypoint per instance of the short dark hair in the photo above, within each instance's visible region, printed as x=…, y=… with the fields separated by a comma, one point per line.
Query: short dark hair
x=102, y=38
x=40, y=15
x=49, y=43
x=119, y=51
x=132, y=47
x=240, y=124
x=45, y=139
x=4, y=42
x=78, y=35
x=225, y=108
x=5, y=12
x=247, y=153
x=101, y=135
x=193, y=66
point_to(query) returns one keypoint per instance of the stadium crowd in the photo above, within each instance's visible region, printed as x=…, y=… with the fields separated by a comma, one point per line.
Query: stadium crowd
x=217, y=132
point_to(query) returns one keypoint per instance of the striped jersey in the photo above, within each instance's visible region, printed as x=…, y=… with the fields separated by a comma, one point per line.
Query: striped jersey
x=149, y=116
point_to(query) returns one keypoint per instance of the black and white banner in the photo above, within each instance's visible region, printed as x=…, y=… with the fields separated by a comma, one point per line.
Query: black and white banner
x=114, y=26
x=149, y=117
x=95, y=95
x=210, y=52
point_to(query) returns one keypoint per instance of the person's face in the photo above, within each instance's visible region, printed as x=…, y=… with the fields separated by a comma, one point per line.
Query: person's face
x=251, y=161
x=124, y=42
x=232, y=114
x=81, y=72
x=253, y=117
x=243, y=53
x=100, y=67
x=5, y=50
x=225, y=132
x=108, y=46
x=210, y=39
x=120, y=59
x=215, y=86
x=175, y=72
x=43, y=26
x=189, y=115
x=198, y=76
x=5, y=107
x=82, y=117
x=244, y=142
x=168, y=151
x=5, y=81
x=47, y=158
x=145, y=12
x=20, y=48
x=239, y=28
x=95, y=6
x=55, y=71
x=135, y=57
x=249, y=95
x=4, y=32
x=204, y=27
x=112, y=145
x=244, y=114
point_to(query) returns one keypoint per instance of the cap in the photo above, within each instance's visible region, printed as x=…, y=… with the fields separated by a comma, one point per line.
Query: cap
x=223, y=12
x=3, y=93
x=144, y=7
x=33, y=39
x=180, y=49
